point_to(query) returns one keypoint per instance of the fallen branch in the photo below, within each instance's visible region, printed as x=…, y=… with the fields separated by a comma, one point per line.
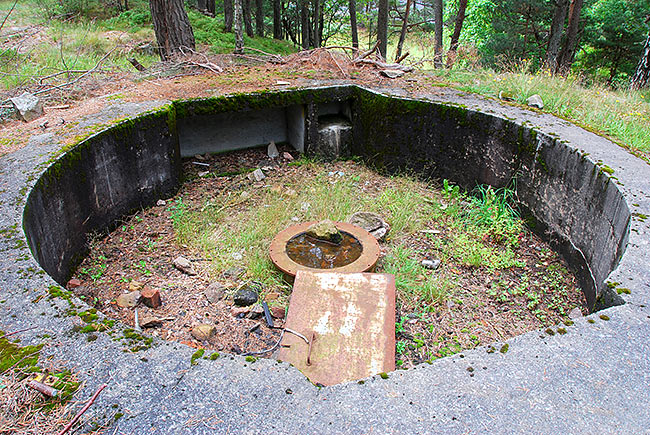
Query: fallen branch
x=17, y=332
x=44, y=389
x=402, y=57
x=82, y=410
x=207, y=64
x=367, y=53
x=276, y=58
x=383, y=65
x=337, y=64
x=136, y=64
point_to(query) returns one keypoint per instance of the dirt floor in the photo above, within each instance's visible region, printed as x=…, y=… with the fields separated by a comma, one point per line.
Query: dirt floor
x=484, y=306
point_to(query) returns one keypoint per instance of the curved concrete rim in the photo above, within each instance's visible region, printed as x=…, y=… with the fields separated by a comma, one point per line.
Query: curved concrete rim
x=592, y=379
x=366, y=261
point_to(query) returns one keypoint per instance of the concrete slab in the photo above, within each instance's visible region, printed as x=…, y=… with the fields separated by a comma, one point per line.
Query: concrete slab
x=349, y=321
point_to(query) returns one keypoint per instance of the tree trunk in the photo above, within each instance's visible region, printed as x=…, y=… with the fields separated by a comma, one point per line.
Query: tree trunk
x=555, y=34
x=455, y=37
x=571, y=41
x=228, y=13
x=641, y=77
x=382, y=27
x=402, y=34
x=316, y=23
x=172, y=27
x=259, y=17
x=304, y=24
x=277, y=19
x=352, y=6
x=239, y=31
x=248, y=23
x=202, y=5
x=437, y=17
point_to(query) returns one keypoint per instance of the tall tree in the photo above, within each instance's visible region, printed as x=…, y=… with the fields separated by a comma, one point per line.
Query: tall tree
x=228, y=15
x=382, y=27
x=248, y=23
x=402, y=33
x=316, y=20
x=641, y=77
x=352, y=6
x=277, y=19
x=555, y=34
x=571, y=41
x=259, y=17
x=437, y=16
x=455, y=37
x=172, y=27
x=239, y=31
x=304, y=23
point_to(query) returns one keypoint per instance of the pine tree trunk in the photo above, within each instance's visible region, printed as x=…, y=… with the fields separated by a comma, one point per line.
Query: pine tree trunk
x=352, y=6
x=316, y=23
x=382, y=27
x=455, y=37
x=259, y=17
x=555, y=34
x=437, y=17
x=248, y=23
x=228, y=13
x=304, y=24
x=238, y=23
x=402, y=34
x=277, y=19
x=641, y=77
x=571, y=42
x=172, y=27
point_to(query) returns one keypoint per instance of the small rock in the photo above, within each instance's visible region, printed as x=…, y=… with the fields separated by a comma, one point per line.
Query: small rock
x=256, y=312
x=237, y=256
x=290, y=193
x=287, y=156
x=199, y=157
x=203, y=332
x=575, y=313
x=272, y=151
x=304, y=207
x=28, y=106
x=184, y=265
x=215, y=292
x=151, y=297
x=245, y=296
x=535, y=101
x=150, y=321
x=135, y=286
x=234, y=273
x=239, y=311
x=257, y=175
x=73, y=283
x=391, y=73
x=371, y=222
x=325, y=230
x=161, y=203
x=128, y=300
x=277, y=312
x=282, y=83
x=505, y=96
x=431, y=264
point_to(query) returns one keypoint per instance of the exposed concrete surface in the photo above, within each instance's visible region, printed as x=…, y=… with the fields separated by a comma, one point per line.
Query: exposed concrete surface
x=593, y=379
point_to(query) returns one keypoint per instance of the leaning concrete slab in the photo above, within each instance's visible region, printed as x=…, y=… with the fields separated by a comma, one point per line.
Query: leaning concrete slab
x=348, y=321
x=592, y=379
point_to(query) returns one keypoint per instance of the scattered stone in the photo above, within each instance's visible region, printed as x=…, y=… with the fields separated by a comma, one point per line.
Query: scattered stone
x=161, y=203
x=148, y=321
x=239, y=311
x=128, y=300
x=28, y=106
x=505, y=96
x=203, y=173
x=325, y=230
x=199, y=157
x=215, y=292
x=272, y=151
x=434, y=232
x=277, y=312
x=431, y=264
x=234, y=273
x=282, y=83
x=245, y=296
x=371, y=222
x=135, y=286
x=73, y=283
x=203, y=331
x=237, y=256
x=391, y=73
x=304, y=207
x=287, y=156
x=184, y=265
x=151, y=297
x=257, y=175
x=575, y=313
x=256, y=312
x=535, y=101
